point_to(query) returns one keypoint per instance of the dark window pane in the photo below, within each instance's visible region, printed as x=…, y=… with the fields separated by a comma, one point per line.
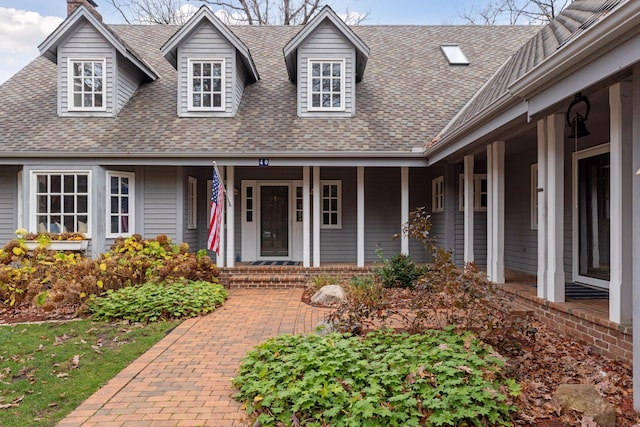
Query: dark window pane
x=334, y=218
x=77, y=85
x=81, y=204
x=326, y=85
x=298, y=191
x=55, y=204
x=97, y=84
x=336, y=85
x=77, y=68
x=124, y=185
x=124, y=203
x=114, y=185
x=315, y=100
x=69, y=183
x=325, y=191
x=217, y=100
x=337, y=101
x=249, y=216
x=326, y=69
x=69, y=204
x=206, y=69
x=334, y=191
x=69, y=223
x=43, y=204
x=315, y=85
x=334, y=204
x=206, y=85
x=249, y=191
x=197, y=69
x=88, y=69
x=114, y=224
x=299, y=216
x=124, y=224
x=88, y=100
x=206, y=100
x=77, y=100
x=98, y=100
x=42, y=183
x=56, y=183
x=196, y=100
x=217, y=85
x=83, y=181
x=325, y=204
x=114, y=205
x=325, y=218
x=42, y=219
x=336, y=69
x=249, y=204
x=98, y=69
x=217, y=70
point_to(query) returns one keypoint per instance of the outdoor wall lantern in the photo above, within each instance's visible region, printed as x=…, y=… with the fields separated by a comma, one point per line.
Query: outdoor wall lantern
x=576, y=120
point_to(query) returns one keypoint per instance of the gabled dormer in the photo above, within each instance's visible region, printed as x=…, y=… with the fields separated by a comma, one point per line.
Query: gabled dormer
x=97, y=71
x=326, y=59
x=213, y=65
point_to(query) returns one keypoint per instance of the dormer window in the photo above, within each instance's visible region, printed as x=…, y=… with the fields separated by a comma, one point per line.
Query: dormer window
x=86, y=85
x=326, y=85
x=206, y=85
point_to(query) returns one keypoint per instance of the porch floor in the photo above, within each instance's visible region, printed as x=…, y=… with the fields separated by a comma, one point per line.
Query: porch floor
x=524, y=285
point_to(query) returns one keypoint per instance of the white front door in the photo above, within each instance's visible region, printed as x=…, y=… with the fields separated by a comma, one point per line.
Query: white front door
x=271, y=220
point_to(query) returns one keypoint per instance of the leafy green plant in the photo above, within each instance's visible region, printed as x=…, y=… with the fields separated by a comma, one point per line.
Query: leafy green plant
x=158, y=301
x=398, y=272
x=439, y=378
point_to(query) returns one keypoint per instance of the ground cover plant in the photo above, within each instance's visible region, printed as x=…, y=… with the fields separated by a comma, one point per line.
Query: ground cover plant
x=158, y=301
x=438, y=378
x=48, y=369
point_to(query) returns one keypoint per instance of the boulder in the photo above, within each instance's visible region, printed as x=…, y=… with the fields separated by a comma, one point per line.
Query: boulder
x=327, y=295
x=586, y=399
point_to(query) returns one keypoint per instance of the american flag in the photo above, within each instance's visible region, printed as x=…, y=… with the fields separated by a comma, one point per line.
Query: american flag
x=215, y=220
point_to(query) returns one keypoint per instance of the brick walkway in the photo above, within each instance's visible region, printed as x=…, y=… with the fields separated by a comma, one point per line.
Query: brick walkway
x=184, y=380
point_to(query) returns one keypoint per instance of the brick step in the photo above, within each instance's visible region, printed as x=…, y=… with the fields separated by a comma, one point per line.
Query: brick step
x=283, y=276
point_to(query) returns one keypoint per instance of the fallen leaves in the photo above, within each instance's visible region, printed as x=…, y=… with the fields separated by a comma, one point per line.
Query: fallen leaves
x=14, y=403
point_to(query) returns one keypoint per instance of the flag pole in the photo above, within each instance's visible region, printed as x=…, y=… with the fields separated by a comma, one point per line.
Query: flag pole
x=224, y=187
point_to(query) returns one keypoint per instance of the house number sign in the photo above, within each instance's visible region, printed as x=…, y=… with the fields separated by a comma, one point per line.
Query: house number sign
x=263, y=162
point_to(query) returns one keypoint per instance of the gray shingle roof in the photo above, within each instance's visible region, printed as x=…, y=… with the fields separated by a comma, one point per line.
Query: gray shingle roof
x=569, y=24
x=408, y=95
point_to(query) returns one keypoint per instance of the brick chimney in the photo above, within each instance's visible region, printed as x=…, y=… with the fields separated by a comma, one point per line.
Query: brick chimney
x=91, y=5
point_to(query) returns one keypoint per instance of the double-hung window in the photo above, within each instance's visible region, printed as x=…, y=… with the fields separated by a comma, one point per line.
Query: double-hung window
x=206, y=85
x=120, y=198
x=61, y=201
x=192, y=203
x=87, y=85
x=331, y=204
x=480, y=195
x=437, y=194
x=326, y=85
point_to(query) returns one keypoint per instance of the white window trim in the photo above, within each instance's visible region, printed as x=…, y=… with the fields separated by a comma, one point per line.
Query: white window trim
x=338, y=183
x=33, y=198
x=132, y=185
x=192, y=203
x=477, y=194
x=223, y=73
x=310, y=106
x=534, y=196
x=70, y=98
x=437, y=197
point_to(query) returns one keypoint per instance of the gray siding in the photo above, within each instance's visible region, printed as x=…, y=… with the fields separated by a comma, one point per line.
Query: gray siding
x=129, y=79
x=382, y=212
x=85, y=43
x=160, y=208
x=342, y=244
x=419, y=194
x=326, y=43
x=190, y=236
x=520, y=241
x=8, y=203
x=206, y=43
x=241, y=79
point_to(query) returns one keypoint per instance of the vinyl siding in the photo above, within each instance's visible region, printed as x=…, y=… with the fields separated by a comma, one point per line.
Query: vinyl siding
x=160, y=195
x=341, y=244
x=86, y=43
x=520, y=241
x=240, y=81
x=206, y=43
x=382, y=212
x=129, y=79
x=8, y=203
x=326, y=43
x=419, y=196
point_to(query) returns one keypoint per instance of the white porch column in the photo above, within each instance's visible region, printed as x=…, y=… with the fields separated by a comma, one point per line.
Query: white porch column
x=636, y=238
x=490, y=272
x=495, y=212
x=468, y=208
x=542, y=208
x=223, y=218
x=621, y=173
x=360, y=213
x=306, y=217
x=555, y=208
x=316, y=216
x=404, y=208
x=230, y=217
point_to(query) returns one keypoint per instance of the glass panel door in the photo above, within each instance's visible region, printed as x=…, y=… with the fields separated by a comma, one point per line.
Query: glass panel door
x=274, y=221
x=594, y=232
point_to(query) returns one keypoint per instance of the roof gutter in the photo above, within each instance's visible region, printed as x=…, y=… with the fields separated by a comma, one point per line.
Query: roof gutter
x=616, y=25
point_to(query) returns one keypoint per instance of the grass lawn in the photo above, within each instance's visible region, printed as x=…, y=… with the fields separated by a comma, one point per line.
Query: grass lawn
x=47, y=370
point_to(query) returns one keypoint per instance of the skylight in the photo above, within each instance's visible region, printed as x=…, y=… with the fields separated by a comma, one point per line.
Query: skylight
x=454, y=54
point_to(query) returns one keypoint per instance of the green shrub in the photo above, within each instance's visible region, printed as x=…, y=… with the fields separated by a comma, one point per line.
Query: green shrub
x=399, y=272
x=438, y=378
x=158, y=301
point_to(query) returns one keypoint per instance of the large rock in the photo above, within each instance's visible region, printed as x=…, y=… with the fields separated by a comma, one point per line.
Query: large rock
x=586, y=399
x=328, y=295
